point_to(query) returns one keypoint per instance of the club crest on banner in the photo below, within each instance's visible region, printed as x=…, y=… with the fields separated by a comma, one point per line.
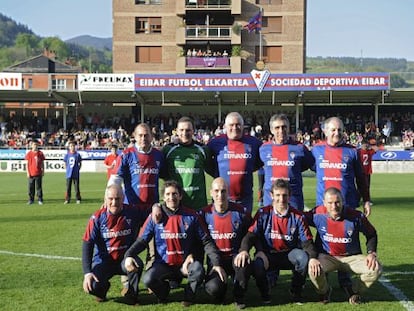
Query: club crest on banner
x=260, y=78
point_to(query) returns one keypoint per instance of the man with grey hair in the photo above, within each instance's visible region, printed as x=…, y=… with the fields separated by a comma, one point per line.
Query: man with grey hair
x=285, y=159
x=337, y=164
x=235, y=156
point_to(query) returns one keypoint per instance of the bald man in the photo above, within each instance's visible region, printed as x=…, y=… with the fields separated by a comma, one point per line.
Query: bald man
x=227, y=223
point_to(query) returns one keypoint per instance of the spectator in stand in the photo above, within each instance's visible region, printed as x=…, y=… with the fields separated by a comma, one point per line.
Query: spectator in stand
x=73, y=162
x=386, y=133
x=35, y=168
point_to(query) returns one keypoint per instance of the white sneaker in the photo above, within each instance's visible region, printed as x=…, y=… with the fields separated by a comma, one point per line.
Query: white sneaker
x=40, y=202
x=77, y=201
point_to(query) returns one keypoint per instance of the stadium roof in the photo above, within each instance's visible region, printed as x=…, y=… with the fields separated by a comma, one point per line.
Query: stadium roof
x=355, y=97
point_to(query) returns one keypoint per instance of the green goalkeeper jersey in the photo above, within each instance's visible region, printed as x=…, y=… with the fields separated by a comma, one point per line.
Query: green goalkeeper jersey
x=186, y=164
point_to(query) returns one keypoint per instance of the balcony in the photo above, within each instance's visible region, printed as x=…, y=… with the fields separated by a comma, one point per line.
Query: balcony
x=203, y=32
x=207, y=4
x=207, y=62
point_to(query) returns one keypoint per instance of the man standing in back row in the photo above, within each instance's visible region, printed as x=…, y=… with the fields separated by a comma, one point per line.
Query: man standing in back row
x=284, y=159
x=235, y=157
x=139, y=168
x=186, y=162
x=337, y=164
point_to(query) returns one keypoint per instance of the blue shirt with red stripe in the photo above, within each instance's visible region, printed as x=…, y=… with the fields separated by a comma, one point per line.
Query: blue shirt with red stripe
x=341, y=237
x=285, y=161
x=176, y=236
x=112, y=234
x=227, y=229
x=140, y=171
x=235, y=161
x=281, y=233
x=339, y=167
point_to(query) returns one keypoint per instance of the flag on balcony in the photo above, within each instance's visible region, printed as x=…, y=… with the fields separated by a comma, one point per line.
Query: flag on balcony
x=255, y=23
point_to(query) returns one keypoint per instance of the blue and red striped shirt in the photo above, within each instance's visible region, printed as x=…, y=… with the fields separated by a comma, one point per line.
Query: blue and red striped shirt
x=227, y=229
x=285, y=161
x=140, y=171
x=341, y=237
x=280, y=233
x=235, y=161
x=339, y=167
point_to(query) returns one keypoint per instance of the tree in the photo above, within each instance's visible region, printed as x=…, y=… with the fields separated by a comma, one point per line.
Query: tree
x=397, y=81
x=56, y=45
x=29, y=42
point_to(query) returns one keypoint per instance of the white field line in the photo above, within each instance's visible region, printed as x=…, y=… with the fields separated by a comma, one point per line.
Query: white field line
x=398, y=294
x=40, y=256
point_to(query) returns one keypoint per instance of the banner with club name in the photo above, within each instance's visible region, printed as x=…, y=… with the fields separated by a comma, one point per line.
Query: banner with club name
x=262, y=81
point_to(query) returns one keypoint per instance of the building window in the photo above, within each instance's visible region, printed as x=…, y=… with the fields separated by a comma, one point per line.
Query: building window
x=148, y=25
x=58, y=84
x=148, y=54
x=148, y=1
x=271, y=54
x=272, y=24
x=269, y=2
x=30, y=83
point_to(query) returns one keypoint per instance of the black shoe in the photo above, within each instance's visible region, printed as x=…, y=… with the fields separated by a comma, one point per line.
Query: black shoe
x=325, y=298
x=186, y=303
x=174, y=284
x=239, y=303
x=130, y=300
x=295, y=295
x=355, y=299
x=266, y=299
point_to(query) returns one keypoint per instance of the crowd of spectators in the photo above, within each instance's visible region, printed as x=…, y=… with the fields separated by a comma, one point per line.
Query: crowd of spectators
x=94, y=131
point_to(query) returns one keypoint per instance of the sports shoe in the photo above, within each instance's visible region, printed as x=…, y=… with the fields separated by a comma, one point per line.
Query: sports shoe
x=266, y=299
x=66, y=202
x=296, y=296
x=30, y=202
x=78, y=201
x=174, y=284
x=100, y=299
x=130, y=300
x=239, y=304
x=40, y=202
x=186, y=303
x=355, y=299
x=325, y=298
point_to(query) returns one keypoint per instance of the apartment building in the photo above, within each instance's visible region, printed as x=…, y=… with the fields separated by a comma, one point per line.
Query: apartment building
x=208, y=36
x=39, y=73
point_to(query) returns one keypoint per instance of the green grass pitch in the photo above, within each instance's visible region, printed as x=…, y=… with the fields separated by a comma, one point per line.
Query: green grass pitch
x=40, y=250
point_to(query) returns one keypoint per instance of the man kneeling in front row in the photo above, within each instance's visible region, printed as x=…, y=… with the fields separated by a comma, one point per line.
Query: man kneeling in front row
x=340, y=249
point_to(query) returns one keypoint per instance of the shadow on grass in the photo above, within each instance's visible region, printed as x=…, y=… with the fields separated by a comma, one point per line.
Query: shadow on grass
x=397, y=201
x=34, y=218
